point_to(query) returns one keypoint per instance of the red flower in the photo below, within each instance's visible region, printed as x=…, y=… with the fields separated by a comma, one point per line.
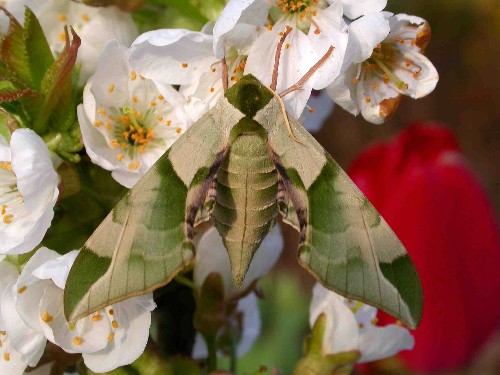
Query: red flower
x=422, y=186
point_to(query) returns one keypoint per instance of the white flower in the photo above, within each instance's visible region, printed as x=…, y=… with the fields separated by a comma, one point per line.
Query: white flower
x=94, y=25
x=384, y=60
x=113, y=337
x=185, y=58
x=28, y=192
x=11, y=361
x=316, y=25
x=127, y=122
x=351, y=325
x=212, y=257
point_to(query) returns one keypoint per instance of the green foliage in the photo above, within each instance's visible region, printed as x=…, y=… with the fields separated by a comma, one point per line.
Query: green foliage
x=36, y=88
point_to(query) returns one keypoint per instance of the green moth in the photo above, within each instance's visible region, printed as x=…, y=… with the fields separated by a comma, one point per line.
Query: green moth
x=239, y=167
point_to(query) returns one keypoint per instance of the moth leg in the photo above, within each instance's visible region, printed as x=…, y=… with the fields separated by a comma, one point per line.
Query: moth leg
x=310, y=72
x=277, y=56
x=225, y=75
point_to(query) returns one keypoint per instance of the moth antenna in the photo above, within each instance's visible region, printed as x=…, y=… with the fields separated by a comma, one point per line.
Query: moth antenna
x=277, y=57
x=310, y=72
x=285, y=116
x=225, y=76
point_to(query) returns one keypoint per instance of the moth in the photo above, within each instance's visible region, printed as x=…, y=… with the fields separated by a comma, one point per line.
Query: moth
x=242, y=165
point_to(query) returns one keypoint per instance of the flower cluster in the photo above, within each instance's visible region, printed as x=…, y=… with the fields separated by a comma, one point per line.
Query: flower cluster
x=135, y=99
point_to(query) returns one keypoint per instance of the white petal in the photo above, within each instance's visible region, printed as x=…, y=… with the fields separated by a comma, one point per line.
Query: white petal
x=382, y=342
x=28, y=342
x=130, y=339
x=212, y=257
x=251, y=323
x=58, y=269
x=329, y=31
x=342, y=332
x=321, y=107
x=421, y=84
x=16, y=363
x=36, y=178
x=237, y=23
x=364, y=35
x=343, y=91
x=172, y=56
x=356, y=8
x=8, y=274
x=4, y=149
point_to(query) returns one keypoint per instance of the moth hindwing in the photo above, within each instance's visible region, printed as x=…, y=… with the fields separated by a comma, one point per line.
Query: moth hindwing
x=239, y=167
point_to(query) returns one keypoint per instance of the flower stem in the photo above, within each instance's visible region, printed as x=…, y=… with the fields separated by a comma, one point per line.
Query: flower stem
x=212, y=353
x=185, y=281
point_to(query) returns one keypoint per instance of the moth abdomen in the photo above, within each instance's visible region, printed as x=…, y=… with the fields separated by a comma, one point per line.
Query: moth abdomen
x=246, y=206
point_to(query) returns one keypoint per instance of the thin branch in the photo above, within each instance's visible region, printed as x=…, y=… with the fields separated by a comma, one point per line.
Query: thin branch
x=277, y=57
x=225, y=76
x=300, y=82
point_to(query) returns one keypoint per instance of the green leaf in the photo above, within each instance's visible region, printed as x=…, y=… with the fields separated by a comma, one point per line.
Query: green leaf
x=185, y=8
x=39, y=55
x=56, y=83
x=11, y=91
x=14, y=53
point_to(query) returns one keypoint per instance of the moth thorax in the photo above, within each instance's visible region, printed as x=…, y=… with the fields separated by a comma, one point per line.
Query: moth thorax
x=246, y=206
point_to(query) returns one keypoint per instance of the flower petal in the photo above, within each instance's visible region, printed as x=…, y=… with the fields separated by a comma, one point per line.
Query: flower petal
x=251, y=324
x=342, y=332
x=321, y=107
x=57, y=269
x=129, y=339
x=172, y=56
x=329, y=31
x=356, y=8
x=364, y=35
x=237, y=23
x=383, y=342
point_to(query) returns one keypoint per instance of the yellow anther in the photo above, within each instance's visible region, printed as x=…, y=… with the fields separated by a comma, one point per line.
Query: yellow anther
x=311, y=110
x=22, y=289
x=287, y=45
x=77, y=341
x=114, y=324
x=46, y=317
x=62, y=18
x=7, y=219
x=214, y=70
x=355, y=80
x=111, y=118
x=114, y=143
x=317, y=31
x=178, y=130
x=6, y=356
x=111, y=336
x=101, y=111
x=120, y=157
x=212, y=89
x=184, y=65
x=161, y=97
x=133, y=166
x=169, y=122
x=361, y=325
x=134, y=99
x=374, y=321
x=269, y=27
x=152, y=104
x=111, y=88
x=160, y=118
x=368, y=99
x=133, y=75
x=108, y=125
x=98, y=316
x=85, y=17
x=4, y=209
x=375, y=86
x=3, y=333
x=98, y=123
x=62, y=37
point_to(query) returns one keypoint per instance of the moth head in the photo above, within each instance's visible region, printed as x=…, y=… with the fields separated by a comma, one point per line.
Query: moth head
x=249, y=95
